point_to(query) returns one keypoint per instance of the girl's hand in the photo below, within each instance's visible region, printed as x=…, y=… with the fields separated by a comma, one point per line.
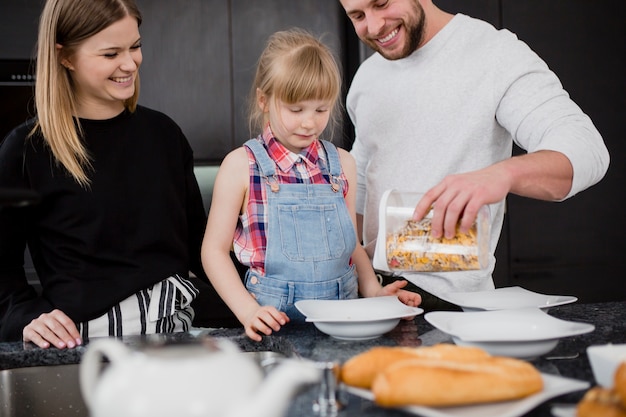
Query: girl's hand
x=409, y=298
x=52, y=329
x=264, y=319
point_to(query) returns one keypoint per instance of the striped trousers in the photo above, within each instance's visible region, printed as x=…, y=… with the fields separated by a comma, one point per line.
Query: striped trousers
x=163, y=308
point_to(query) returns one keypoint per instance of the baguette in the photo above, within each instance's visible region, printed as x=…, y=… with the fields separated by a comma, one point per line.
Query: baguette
x=360, y=370
x=441, y=382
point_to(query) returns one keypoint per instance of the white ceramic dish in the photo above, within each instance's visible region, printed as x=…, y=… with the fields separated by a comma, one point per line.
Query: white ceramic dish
x=521, y=333
x=357, y=319
x=505, y=298
x=553, y=387
x=604, y=360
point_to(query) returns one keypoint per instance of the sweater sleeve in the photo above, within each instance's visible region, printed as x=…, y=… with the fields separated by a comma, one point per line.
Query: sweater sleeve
x=360, y=156
x=540, y=115
x=19, y=302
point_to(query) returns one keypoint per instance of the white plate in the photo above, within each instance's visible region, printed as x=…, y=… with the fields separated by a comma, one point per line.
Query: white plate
x=553, y=387
x=357, y=319
x=521, y=333
x=505, y=298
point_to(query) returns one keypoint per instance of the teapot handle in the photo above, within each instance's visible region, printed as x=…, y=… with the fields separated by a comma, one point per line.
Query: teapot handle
x=91, y=364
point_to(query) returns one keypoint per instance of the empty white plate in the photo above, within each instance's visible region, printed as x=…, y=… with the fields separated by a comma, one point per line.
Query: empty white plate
x=357, y=319
x=521, y=333
x=505, y=298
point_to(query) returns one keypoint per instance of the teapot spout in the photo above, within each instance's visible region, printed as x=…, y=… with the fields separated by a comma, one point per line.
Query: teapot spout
x=274, y=395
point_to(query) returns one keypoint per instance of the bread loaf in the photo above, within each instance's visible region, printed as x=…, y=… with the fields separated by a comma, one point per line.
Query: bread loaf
x=620, y=383
x=360, y=370
x=440, y=375
x=446, y=382
x=606, y=402
x=600, y=402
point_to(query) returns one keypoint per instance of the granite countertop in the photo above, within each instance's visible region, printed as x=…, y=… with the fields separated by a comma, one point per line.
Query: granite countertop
x=307, y=342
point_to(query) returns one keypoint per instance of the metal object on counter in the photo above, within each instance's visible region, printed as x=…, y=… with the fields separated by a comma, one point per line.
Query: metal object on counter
x=328, y=403
x=562, y=357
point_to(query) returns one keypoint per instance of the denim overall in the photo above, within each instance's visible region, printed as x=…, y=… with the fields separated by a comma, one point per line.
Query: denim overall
x=310, y=239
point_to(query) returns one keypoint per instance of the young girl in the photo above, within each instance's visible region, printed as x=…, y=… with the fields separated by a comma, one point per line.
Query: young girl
x=121, y=217
x=288, y=198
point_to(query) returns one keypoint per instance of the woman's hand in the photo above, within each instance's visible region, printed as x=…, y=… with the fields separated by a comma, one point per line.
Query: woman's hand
x=265, y=319
x=52, y=329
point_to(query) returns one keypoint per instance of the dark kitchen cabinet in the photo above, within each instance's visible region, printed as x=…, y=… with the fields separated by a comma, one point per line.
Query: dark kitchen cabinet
x=186, y=70
x=488, y=10
x=200, y=58
x=19, y=20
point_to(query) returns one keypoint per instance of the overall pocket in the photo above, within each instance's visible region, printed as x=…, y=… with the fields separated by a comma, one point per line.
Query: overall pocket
x=311, y=232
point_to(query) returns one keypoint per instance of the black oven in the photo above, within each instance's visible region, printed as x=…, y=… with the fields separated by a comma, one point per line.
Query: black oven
x=17, y=89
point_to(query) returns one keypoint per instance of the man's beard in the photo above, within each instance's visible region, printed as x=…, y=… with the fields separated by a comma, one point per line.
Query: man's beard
x=415, y=35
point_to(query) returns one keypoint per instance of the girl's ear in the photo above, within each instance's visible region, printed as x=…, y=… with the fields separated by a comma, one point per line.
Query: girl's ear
x=64, y=61
x=261, y=100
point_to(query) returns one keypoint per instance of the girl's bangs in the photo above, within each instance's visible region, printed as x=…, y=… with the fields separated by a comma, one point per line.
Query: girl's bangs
x=309, y=82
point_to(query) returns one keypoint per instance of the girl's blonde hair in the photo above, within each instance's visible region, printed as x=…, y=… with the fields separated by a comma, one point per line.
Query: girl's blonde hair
x=68, y=23
x=295, y=66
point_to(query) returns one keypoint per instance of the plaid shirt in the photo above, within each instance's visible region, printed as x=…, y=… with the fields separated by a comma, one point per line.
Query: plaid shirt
x=308, y=167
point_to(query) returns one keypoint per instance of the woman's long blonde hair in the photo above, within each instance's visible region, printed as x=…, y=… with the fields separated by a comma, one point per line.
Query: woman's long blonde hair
x=68, y=23
x=295, y=66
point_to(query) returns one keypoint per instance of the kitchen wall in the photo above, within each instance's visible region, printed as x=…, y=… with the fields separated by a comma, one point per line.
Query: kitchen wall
x=199, y=58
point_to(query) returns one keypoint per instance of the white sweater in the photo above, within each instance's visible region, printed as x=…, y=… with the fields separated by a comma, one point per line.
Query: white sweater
x=456, y=105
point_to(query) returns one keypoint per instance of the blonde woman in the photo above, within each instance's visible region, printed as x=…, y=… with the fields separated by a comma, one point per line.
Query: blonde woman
x=120, y=221
x=285, y=200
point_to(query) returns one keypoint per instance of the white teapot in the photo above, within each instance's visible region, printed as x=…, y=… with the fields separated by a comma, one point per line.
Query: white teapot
x=187, y=381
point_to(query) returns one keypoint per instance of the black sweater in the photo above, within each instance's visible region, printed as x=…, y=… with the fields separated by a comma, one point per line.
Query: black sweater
x=140, y=221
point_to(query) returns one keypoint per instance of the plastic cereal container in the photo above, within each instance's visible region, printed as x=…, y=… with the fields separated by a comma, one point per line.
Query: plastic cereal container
x=405, y=245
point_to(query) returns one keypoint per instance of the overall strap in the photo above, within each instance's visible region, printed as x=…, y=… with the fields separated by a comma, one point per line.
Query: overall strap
x=334, y=163
x=267, y=167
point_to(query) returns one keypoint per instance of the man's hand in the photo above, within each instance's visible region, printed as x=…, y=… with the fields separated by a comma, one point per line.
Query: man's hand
x=457, y=199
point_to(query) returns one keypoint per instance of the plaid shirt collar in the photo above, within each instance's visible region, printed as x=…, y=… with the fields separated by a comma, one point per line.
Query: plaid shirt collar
x=284, y=158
